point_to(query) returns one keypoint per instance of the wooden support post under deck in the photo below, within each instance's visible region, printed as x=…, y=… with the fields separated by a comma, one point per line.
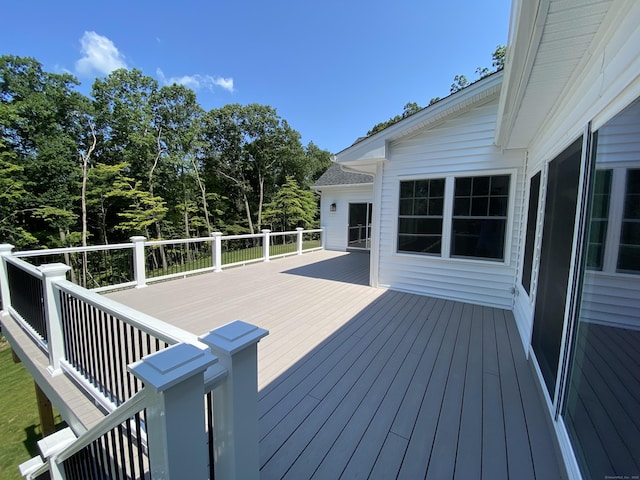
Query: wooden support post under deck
x=45, y=412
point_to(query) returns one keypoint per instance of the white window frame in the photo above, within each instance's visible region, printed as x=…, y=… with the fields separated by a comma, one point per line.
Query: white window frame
x=447, y=220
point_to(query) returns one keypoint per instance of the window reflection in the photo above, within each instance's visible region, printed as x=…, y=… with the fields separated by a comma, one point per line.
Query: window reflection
x=602, y=407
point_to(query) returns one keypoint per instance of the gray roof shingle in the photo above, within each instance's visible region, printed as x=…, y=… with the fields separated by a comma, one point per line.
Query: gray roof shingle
x=336, y=176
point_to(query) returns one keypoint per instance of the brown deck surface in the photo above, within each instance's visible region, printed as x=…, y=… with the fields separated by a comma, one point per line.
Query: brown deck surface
x=357, y=382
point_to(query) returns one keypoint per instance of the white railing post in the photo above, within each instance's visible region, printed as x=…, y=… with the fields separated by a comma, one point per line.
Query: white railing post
x=52, y=273
x=235, y=402
x=52, y=444
x=265, y=244
x=175, y=419
x=300, y=230
x=322, y=238
x=216, y=245
x=139, y=272
x=5, y=251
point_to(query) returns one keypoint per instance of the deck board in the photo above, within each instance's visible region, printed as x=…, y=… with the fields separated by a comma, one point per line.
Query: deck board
x=357, y=382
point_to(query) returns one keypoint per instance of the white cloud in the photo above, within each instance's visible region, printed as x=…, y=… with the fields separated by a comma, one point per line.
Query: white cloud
x=197, y=81
x=100, y=55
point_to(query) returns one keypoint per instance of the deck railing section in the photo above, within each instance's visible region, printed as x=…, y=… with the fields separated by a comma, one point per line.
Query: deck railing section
x=107, y=267
x=237, y=250
x=25, y=284
x=95, y=267
x=148, y=376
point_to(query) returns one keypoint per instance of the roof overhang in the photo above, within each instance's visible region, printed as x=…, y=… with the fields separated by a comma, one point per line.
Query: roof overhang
x=550, y=41
x=364, y=155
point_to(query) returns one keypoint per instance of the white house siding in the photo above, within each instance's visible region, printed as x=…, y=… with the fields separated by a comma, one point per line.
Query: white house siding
x=597, y=92
x=460, y=146
x=336, y=223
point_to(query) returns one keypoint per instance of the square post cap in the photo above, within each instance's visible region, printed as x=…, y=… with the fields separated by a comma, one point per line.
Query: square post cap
x=173, y=365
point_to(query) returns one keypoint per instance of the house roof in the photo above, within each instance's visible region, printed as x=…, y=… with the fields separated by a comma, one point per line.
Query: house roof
x=336, y=176
x=364, y=154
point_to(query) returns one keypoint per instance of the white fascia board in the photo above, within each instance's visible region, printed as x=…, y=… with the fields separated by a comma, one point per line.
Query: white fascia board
x=375, y=148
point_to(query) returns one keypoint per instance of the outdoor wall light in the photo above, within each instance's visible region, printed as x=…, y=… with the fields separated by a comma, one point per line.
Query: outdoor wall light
x=332, y=207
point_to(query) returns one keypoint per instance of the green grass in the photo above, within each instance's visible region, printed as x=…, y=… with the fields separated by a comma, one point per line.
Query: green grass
x=19, y=422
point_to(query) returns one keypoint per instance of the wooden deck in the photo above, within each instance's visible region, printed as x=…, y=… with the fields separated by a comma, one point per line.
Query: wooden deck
x=358, y=382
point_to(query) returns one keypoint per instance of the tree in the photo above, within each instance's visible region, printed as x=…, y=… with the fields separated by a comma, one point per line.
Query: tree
x=38, y=121
x=249, y=146
x=409, y=109
x=11, y=194
x=459, y=82
x=497, y=64
x=291, y=207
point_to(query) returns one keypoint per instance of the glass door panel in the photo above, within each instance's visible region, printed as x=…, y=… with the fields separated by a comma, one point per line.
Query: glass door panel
x=359, y=226
x=602, y=407
x=555, y=261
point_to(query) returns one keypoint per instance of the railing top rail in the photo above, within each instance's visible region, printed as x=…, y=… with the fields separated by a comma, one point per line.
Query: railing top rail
x=54, y=251
x=276, y=234
x=314, y=230
x=159, y=329
x=22, y=265
x=178, y=240
x=239, y=237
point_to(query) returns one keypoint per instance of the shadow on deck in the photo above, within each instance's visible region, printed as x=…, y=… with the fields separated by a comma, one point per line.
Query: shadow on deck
x=351, y=268
x=410, y=387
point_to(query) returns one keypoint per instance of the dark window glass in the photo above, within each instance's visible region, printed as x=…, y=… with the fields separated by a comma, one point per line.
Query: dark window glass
x=532, y=220
x=480, y=216
x=599, y=219
x=420, y=216
x=629, y=252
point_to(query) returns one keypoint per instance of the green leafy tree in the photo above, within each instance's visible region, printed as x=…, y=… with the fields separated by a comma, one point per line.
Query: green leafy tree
x=11, y=193
x=107, y=186
x=249, y=147
x=291, y=207
x=408, y=110
x=39, y=114
x=459, y=82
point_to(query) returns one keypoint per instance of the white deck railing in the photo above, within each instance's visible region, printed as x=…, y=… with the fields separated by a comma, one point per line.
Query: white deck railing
x=117, y=354
x=107, y=267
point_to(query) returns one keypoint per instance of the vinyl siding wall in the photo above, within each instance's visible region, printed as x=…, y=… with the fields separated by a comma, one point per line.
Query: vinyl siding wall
x=461, y=146
x=336, y=223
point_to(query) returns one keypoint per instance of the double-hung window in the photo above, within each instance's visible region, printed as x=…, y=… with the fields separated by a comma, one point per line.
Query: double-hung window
x=420, y=216
x=480, y=216
x=477, y=219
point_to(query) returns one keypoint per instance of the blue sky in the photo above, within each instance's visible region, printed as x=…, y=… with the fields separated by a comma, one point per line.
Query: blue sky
x=331, y=68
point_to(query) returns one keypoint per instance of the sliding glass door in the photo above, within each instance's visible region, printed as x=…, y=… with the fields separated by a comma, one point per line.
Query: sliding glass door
x=601, y=410
x=555, y=261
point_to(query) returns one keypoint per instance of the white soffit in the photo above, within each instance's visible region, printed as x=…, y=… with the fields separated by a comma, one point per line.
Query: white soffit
x=569, y=29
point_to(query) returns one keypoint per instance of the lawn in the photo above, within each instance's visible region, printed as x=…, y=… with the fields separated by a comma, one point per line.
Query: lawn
x=19, y=423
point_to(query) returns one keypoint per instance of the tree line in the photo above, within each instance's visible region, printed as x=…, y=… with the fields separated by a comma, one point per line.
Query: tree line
x=459, y=82
x=134, y=157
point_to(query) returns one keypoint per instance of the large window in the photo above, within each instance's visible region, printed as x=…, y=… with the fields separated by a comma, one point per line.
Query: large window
x=477, y=213
x=480, y=216
x=420, y=216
